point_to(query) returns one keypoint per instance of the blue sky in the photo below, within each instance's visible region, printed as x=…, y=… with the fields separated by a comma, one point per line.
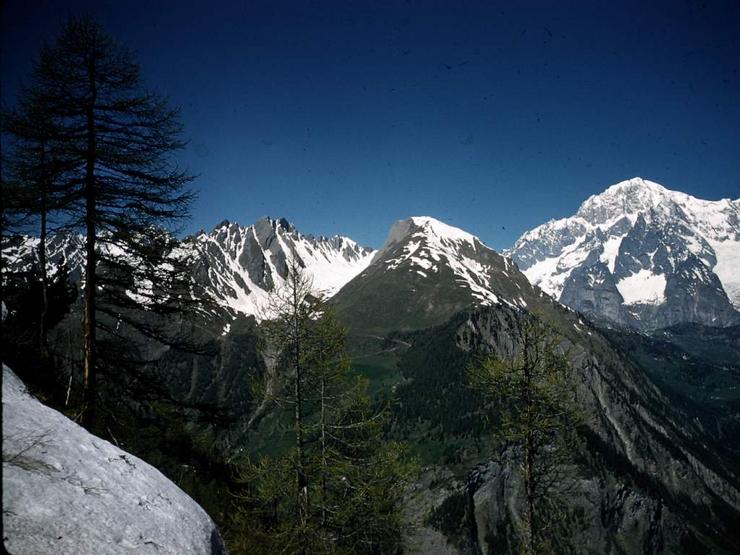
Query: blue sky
x=346, y=116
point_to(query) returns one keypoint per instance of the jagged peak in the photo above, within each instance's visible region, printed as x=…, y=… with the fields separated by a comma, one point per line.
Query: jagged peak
x=267, y=226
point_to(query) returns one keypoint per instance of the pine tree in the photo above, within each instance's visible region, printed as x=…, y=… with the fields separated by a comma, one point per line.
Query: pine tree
x=535, y=393
x=339, y=488
x=120, y=187
x=36, y=167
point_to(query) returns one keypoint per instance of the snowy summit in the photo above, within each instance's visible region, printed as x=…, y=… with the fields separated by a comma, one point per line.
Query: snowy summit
x=641, y=254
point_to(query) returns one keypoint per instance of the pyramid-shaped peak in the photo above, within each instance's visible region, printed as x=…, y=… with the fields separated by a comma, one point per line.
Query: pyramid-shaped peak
x=429, y=228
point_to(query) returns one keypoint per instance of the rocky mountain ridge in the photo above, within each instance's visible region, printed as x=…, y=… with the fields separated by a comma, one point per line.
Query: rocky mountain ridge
x=425, y=272
x=238, y=266
x=241, y=266
x=640, y=255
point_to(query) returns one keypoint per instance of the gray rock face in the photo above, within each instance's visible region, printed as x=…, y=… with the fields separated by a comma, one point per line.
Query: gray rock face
x=645, y=480
x=642, y=256
x=593, y=290
x=68, y=491
x=612, y=517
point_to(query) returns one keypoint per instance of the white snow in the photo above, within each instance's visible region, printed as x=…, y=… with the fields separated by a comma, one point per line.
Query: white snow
x=643, y=287
x=68, y=491
x=423, y=262
x=546, y=276
x=430, y=242
x=728, y=268
x=444, y=231
x=712, y=231
x=611, y=249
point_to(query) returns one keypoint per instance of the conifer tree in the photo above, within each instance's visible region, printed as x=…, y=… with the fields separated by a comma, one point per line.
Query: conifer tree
x=36, y=168
x=121, y=189
x=339, y=488
x=534, y=390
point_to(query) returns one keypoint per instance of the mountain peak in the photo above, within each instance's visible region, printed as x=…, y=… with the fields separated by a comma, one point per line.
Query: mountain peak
x=626, y=197
x=637, y=183
x=631, y=252
x=426, y=272
x=428, y=228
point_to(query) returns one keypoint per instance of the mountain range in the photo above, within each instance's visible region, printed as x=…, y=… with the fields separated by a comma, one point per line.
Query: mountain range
x=640, y=255
x=637, y=255
x=651, y=475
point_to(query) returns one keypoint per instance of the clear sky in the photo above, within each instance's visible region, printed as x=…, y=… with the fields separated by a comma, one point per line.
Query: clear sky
x=492, y=116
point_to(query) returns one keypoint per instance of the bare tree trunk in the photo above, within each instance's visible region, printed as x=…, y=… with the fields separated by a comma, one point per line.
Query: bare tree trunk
x=42, y=258
x=529, y=455
x=324, y=462
x=90, y=358
x=530, y=487
x=298, y=414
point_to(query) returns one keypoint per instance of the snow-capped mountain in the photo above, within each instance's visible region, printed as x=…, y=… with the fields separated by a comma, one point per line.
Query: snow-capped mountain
x=20, y=253
x=639, y=254
x=426, y=272
x=241, y=266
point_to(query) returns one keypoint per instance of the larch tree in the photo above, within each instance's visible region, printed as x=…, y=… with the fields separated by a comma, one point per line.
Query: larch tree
x=535, y=393
x=339, y=488
x=40, y=188
x=287, y=333
x=121, y=188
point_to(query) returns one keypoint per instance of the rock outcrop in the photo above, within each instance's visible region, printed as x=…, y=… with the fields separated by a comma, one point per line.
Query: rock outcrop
x=66, y=491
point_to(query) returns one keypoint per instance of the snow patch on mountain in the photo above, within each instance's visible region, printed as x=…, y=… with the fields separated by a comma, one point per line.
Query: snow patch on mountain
x=431, y=244
x=727, y=268
x=442, y=231
x=610, y=252
x=68, y=491
x=547, y=276
x=643, y=287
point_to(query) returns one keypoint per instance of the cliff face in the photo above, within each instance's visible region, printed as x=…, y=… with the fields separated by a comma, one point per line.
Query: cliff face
x=643, y=479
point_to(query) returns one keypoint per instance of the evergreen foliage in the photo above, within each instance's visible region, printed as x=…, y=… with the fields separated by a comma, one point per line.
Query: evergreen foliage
x=32, y=313
x=93, y=148
x=539, y=417
x=442, y=418
x=339, y=488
